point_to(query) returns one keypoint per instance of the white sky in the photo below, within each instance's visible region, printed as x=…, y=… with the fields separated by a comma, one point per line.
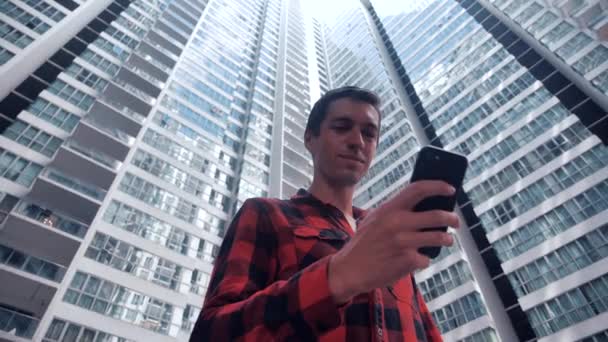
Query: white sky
x=327, y=10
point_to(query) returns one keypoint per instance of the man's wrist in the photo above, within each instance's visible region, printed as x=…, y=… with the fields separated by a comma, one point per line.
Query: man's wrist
x=338, y=287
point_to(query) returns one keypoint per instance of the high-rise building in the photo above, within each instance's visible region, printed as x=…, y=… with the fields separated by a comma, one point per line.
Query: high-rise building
x=518, y=87
x=131, y=130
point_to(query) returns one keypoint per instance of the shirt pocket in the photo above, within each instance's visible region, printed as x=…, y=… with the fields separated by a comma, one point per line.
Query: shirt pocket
x=312, y=243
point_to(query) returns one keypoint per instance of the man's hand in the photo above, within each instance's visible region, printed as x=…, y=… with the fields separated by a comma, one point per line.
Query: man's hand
x=385, y=247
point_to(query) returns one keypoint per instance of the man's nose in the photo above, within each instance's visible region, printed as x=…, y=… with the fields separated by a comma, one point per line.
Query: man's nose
x=355, y=139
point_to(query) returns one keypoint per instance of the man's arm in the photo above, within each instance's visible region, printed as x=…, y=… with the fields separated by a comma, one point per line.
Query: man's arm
x=244, y=300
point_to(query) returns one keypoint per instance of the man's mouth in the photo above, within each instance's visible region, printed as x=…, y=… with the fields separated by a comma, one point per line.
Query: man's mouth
x=353, y=158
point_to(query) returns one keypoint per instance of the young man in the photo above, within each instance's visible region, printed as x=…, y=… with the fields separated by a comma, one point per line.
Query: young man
x=316, y=268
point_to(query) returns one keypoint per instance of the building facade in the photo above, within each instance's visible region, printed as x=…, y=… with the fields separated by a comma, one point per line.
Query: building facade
x=131, y=131
x=518, y=87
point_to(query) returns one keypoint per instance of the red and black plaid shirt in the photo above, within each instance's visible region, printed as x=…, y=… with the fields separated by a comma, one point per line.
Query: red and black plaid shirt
x=270, y=282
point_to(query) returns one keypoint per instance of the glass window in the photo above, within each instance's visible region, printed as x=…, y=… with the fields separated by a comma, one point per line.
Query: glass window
x=71, y=94
x=151, y=314
x=33, y=137
x=14, y=36
x=61, y=330
x=17, y=169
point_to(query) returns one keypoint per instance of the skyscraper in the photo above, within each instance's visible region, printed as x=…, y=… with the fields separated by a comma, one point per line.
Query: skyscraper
x=518, y=87
x=131, y=132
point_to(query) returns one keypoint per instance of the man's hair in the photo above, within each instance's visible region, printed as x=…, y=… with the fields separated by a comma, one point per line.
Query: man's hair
x=319, y=110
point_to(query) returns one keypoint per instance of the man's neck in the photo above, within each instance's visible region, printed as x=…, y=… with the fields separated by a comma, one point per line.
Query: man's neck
x=339, y=197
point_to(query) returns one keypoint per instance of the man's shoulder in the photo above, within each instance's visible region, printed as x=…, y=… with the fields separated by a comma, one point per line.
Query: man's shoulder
x=267, y=202
x=279, y=211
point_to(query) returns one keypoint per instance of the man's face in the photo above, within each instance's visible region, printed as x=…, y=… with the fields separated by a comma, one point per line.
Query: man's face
x=346, y=143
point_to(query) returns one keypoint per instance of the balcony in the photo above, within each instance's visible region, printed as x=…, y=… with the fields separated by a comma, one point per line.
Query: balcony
x=166, y=42
x=133, y=90
x=57, y=236
x=109, y=140
x=14, y=324
x=136, y=78
x=298, y=161
x=127, y=98
x=21, y=261
x=293, y=129
x=147, y=82
x=183, y=15
x=171, y=32
x=110, y=113
x=294, y=144
x=295, y=177
x=188, y=7
x=157, y=53
x=176, y=22
x=288, y=189
x=51, y=219
x=156, y=68
x=93, y=167
x=63, y=190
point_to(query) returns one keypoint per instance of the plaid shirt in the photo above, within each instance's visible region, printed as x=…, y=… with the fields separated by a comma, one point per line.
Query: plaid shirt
x=270, y=282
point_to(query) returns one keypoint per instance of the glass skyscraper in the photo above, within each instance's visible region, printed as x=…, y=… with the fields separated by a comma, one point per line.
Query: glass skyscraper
x=131, y=131
x=517, y=86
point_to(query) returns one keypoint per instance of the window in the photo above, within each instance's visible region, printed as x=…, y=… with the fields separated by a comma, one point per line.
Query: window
x=109, y=299
x=579, y=304
x=459, y=312
x=86, y=76
x=32, y=137
x=47, y=9
x=71, y=94
x=591, y=60
x=31, y=264
x=188, y=157
x=558, y=180
x=27, y=19
x=111, y=48
x=159, y=232
x=100, y=62
x=574, y=256
x=485, y=335
x=541, y=155
x=445, y=280
x=130, y=259
x=12, y=35
x=171, y=204
x=53, y=114
x=5, y=55
x=18, y=169
x=559, y=219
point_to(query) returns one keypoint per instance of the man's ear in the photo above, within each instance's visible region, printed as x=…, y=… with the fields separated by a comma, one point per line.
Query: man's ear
x=307, y=139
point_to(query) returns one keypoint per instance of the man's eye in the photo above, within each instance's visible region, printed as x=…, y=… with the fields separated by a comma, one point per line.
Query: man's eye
x=340, y=128
x=370, y=135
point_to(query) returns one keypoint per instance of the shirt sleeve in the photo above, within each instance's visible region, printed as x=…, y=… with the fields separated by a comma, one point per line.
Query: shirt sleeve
x=432, y=332
x=245, y=302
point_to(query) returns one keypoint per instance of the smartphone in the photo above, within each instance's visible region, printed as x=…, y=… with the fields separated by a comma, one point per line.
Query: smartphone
x=433, y=163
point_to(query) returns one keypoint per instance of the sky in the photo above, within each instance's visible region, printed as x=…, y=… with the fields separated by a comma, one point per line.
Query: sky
x=327, y=10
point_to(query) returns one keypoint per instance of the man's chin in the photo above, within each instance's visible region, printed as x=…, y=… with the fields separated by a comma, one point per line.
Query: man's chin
x=347, y=179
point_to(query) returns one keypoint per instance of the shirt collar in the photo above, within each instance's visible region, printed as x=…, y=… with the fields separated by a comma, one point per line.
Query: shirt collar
x=305, y=196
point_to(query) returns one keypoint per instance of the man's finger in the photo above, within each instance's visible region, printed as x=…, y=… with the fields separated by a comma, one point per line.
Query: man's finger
x=409, y=221
x=417, y=191
x=424, y=239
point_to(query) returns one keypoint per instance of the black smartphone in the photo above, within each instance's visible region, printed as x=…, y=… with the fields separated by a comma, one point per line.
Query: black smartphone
x=433, y=163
